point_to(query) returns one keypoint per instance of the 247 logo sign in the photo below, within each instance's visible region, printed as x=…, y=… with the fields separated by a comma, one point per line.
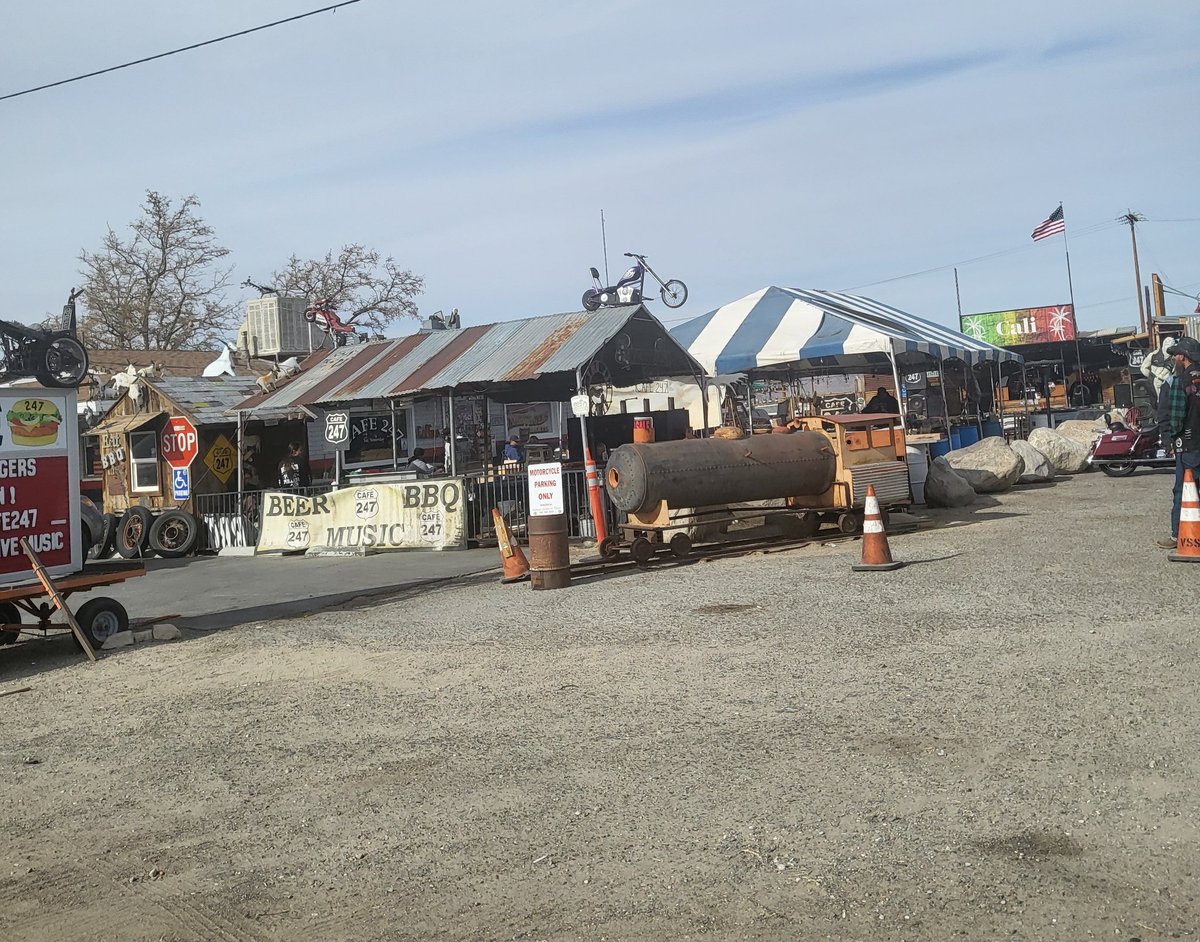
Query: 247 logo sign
x=337, y=429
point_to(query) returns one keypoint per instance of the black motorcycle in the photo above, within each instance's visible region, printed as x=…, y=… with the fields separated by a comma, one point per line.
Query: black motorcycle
x=631, y=288
x=52, y=357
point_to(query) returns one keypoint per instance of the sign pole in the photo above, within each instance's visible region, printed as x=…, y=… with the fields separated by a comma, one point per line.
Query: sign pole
x=1074, y=314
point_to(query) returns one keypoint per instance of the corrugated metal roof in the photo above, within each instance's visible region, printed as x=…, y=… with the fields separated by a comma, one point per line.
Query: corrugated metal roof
x=507, y=352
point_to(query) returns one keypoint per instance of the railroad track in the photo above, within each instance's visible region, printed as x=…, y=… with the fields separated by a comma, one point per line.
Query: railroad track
x=708, y=552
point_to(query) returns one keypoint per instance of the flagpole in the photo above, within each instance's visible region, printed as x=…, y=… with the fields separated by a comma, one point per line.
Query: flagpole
x=1074, y=313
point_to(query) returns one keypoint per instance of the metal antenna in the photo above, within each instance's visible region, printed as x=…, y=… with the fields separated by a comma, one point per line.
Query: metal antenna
x=604, y=242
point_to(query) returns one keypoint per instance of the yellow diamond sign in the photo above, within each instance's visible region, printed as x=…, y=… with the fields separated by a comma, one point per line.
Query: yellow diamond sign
x=221, y=459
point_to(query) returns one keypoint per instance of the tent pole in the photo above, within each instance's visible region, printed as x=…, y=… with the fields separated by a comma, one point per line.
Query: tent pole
x=945, y=404
x=896, y=379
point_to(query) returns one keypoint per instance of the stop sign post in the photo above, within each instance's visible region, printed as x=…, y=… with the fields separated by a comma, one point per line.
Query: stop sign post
x=179, y=442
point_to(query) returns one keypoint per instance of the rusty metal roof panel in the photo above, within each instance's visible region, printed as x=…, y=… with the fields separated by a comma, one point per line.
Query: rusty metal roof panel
x=420, y=349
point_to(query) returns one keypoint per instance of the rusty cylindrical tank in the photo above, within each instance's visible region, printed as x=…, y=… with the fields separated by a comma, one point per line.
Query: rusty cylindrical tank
x=549, y=551
x=704, y=472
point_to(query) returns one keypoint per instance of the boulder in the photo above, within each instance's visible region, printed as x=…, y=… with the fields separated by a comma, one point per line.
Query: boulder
x=988, y=465
x=119, y=639
x=945, y=488
x=1038, y=467
x=1067, y=456
x=1082, y=431
x=165, y=632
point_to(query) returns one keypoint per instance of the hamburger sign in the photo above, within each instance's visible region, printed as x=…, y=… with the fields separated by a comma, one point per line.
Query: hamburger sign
x=39, y=482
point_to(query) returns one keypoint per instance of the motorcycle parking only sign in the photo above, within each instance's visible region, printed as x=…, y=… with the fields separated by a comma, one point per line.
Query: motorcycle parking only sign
x=337, y=430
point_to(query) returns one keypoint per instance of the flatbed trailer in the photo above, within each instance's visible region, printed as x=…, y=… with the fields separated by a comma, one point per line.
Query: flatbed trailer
x=92, y=623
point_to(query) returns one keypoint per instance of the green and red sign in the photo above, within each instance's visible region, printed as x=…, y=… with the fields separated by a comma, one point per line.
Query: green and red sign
x=1026, y=325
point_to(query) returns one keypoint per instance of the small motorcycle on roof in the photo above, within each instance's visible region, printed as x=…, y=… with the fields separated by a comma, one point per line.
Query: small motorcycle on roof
x=339, y=331
x=631, y=287
x=52, y=357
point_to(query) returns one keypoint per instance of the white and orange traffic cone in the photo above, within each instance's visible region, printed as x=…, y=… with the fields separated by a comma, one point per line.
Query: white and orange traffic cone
x=876, y=556
x=1187, y=546
x=516, y=566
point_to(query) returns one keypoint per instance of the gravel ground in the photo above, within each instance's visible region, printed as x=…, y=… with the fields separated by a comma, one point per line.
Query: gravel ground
x=999, y=740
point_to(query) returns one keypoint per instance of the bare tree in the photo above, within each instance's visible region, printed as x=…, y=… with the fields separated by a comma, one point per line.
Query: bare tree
x=358, y=284
x=160, y=289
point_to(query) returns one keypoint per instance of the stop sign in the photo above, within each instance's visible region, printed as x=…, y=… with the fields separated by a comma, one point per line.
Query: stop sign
x=179, y=442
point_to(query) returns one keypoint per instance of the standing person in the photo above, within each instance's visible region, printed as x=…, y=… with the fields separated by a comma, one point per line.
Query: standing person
x=293, y=468
x=1183, y=422
x=512, y=450
x=883, y=401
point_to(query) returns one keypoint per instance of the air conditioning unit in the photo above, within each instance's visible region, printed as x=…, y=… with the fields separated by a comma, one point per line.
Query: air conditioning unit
x=276, y=326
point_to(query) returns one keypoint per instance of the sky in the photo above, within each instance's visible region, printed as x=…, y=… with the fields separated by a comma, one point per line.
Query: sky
x=843, y=146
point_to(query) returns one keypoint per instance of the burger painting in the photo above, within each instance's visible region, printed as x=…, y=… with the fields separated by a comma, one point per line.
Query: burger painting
x=33, y=423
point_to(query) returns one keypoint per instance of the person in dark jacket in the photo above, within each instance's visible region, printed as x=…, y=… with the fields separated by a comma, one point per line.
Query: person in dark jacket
x=882, y=401
x=1183, y=422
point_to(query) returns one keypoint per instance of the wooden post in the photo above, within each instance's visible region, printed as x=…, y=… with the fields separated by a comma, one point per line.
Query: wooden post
x=58, y=600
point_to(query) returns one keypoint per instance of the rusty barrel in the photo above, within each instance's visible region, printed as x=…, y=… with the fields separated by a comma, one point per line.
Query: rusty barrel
x=549, y=552
x=643, y=429
x=705, y=472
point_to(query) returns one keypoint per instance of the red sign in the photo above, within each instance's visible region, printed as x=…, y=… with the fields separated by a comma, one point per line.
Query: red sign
x=35, y=503
x=179, y=442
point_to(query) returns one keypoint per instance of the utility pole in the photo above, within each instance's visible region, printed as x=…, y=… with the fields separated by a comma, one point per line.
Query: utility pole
x=1132, y=219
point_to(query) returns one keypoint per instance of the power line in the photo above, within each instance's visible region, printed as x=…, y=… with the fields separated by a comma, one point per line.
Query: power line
x=163, y=55
x=1085, y=230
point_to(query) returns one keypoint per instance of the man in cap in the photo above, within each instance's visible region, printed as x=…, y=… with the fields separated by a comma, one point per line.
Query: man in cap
x=1182, y=421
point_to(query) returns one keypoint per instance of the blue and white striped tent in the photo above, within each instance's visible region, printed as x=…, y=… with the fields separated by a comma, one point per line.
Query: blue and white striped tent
x=823, y=331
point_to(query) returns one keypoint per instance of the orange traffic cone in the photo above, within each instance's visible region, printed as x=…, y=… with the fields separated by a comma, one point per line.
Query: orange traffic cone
x=876, y=556
x=516, y=566
x=1187, y=549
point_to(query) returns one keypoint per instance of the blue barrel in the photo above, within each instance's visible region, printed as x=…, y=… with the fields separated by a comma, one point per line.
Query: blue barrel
x=939, y=448
x=955, y=439
x=993, y=429
x=969, y=434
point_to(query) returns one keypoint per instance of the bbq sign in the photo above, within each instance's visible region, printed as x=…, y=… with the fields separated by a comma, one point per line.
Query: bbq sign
x=39, y=484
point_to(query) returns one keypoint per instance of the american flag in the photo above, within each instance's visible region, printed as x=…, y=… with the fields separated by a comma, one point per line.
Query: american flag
x=1051, y=225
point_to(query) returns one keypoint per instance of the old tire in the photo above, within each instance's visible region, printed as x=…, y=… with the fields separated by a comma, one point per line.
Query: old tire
x=133, y=533
x=609, y=548
x=101, y=618
x=174, y=534
x=9, y=615
x=681, y=545
x=850, y=523
x=107, y=544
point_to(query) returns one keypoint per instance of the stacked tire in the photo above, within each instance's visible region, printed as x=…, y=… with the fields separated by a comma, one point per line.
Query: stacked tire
x=171, y=534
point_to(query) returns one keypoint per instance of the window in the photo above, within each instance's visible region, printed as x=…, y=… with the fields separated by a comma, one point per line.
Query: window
x=143, y=460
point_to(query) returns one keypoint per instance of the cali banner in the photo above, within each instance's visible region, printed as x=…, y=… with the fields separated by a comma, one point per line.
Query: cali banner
x=425, y=515
x=1024, y=325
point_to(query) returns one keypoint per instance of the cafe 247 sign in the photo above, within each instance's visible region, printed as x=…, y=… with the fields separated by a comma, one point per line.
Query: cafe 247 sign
x=1021, y=326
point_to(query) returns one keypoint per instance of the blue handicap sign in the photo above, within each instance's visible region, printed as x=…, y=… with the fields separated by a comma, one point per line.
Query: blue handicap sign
x=181, y=483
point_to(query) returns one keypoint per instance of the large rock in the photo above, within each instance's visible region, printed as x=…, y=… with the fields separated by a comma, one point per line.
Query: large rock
x=1067, y=456
x=1081, y=431
x=945, y=487
x=1038, y=467
x=988, y=465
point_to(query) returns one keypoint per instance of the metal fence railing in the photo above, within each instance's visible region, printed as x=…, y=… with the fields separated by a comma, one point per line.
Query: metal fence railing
x=233, y=519
x=509, y=493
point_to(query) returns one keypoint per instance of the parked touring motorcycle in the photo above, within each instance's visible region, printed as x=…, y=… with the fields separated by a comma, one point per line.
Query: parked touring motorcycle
x=1124, y=448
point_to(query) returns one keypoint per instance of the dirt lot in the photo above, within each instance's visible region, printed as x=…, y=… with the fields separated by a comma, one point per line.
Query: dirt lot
x=1000, y=740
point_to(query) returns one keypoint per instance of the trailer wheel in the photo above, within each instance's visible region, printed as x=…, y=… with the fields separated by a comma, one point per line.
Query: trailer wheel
x=850, y=523
x=133, y=533
x=101, y=618
x=608, y=548
x=681, y=545
x=174, y=534
x=642, y=551
x=9, y=615
x=802, y=526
